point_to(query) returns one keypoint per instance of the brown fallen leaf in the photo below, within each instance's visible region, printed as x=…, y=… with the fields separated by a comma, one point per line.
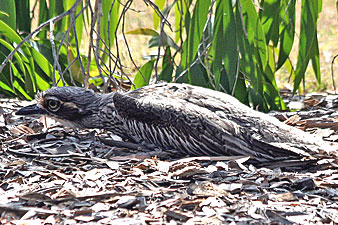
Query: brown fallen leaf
x=292, y=120
x=22, y=129
x=288, y=196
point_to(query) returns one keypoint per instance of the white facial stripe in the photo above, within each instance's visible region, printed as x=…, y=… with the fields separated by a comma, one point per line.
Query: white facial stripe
x=70, y=105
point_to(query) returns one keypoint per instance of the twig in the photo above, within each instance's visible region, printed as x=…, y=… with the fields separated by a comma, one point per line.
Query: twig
x=91, y=42
x=125, y=39
x=68, y=59
x=204, y=39
x=192, y=64
x=180, y=9
x=237, y=73
x=158, y=12
x=55, y=56
x=11, y=78
x=98, y=27
x=122, y=144
x=29, y=36
x=109, y=44
x=332, y=74
x=242, y=20
x=85, y=81
x=158, y=52
x=19, y=152
x=118, y=60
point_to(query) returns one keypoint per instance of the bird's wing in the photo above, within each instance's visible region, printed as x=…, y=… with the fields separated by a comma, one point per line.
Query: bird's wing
x=226, y=107
x=165, y=116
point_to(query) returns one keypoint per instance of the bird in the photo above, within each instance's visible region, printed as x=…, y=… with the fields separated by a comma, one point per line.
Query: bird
x=192, y=120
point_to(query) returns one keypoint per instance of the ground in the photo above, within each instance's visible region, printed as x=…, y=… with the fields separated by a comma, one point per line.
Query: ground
x=52, y=175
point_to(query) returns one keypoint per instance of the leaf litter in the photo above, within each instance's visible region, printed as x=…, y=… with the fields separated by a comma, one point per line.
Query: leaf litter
x=53, y=175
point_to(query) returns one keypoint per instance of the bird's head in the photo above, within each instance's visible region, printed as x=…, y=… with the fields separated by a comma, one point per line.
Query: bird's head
x=73, y=106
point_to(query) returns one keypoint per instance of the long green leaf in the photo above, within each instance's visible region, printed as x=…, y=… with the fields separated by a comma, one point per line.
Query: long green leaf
x=23, y=18
x=43, y=16
x=30, y=81
x=181, y=10
x=287, y=30
x=46, y=67
x=156, y=18
x=252, y=44
x=114, y=17
x=55, y=8
x=225, y=44
x=5, y=87
x=271, y=93
x=307, y=39
x=9, y=33
x=79, y=22
x=52, y=8
x=241, y=90
x=165, y=41
x=269, y=16
x=315, y=60
x=196, y=27
x=142, y=77
x=199, y=75
x=254, y=31
x=17, y=56
x=167, y=66
x=18, y=85
x=30, y=78
x=8, y=6
x=194, y=38
x=143, y=31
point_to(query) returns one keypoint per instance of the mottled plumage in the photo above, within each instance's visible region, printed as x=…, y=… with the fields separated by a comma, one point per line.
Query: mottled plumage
x=193, y=120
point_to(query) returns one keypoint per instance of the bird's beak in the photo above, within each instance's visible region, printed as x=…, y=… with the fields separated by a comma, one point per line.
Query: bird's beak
x=31, y=110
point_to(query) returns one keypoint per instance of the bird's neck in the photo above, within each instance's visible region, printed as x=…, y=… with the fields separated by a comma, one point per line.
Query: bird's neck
x=109, y=117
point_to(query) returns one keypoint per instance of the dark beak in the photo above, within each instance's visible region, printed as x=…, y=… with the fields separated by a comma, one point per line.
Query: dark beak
x=30, y=110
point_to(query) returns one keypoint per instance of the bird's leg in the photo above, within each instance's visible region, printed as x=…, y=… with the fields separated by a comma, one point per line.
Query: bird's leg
x=122, y=144
x=146, y=148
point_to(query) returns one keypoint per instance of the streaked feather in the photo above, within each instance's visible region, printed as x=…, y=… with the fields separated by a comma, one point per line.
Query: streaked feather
x=193, y=120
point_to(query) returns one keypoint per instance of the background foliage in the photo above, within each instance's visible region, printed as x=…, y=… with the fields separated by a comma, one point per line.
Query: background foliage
x=235, y=46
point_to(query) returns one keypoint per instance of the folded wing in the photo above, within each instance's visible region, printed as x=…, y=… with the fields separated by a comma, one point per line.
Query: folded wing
x=202, y=122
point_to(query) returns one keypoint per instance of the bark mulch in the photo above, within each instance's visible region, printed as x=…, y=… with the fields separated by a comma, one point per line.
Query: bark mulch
x=52, y=175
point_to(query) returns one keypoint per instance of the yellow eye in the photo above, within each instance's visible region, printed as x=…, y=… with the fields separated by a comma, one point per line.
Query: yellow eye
x=53, y=105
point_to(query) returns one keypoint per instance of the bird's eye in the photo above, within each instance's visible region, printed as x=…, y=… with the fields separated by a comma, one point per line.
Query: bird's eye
x=53, y=105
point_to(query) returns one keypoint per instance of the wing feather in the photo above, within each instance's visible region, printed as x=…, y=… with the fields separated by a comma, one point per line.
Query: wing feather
x=202, y=122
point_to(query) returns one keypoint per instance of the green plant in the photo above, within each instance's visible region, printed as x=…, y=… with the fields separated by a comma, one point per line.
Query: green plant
x=235, y=46
x=50, y=55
